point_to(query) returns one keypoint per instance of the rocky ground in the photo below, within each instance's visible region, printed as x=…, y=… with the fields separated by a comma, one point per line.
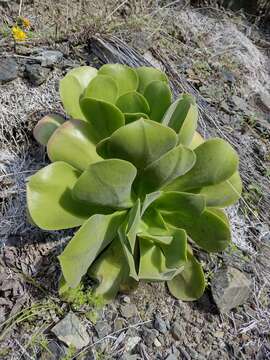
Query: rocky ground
x=224, y=61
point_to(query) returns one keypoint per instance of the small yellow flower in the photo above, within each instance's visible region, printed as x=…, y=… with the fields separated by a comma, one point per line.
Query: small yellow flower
x=18, y=33
x=26, y=23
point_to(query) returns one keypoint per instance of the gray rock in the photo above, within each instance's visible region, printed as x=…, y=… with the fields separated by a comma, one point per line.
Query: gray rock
x=36, y=74
x=50, y=57
x=149, y=336
x=71, y=331
x=160, y=325
x=131, y=343
x=128, y=310
x=8, y=70
x=264, y=101
x=129, y=357
x=177, y=331
x=228, y=76
x=171, y=357
x=230, y=288
x=239, y=103
x=102, y=328
x=53, y=351
x=119, y=324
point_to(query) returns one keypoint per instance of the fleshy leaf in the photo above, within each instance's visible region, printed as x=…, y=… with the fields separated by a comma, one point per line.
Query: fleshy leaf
x=104, y=117
x=106, y=183
x=141, y=142
x=95, y=234
x=134, y=116
x=196, y=141
x=110, y=269
x=153, y=262
x=46, y=127
x=159, y=97
x=223, y=194
x=74, y=143
x=152, y=223
x=149, y=198
x=124, y=76
x=72, y=87
x=176, y=251
x=127, y=234
x=49, y=199
x=208, y=230
x=216, y=162
x=182, y=116
x=148, y=74
x=102, y=87
x=168, y=167
x=189, y=285
x=177, y=202
x=132, y=102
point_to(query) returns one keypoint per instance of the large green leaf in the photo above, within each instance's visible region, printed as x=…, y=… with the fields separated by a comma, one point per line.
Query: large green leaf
x=208, y=230
x=72, y=87
x=159, y=97
x=131, y=117
x=104, y=117
x=225, y=193
x=125, y=77
x=216, y=162
x=49, y=199
x=148, y=74
x=153, y=262
x=152, y=223
x=46, y=127
x=177, y=202
x=168, y=167
x=141, y=142
x=127, y=235
x=176, y=251
x=102, y=87
x=74, y=143
x=182, y=116
x=132, y=102
x=95, y=234
x=149, y=199
x=189, y=285
x=106, y=183
x=196, y=141
x=110, y=269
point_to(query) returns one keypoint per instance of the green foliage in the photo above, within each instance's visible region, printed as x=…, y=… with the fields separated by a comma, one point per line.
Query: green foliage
x=131, y=170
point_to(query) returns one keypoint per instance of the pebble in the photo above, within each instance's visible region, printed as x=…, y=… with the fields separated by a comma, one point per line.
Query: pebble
x=8, y=70
x=102, y=328
x=160, y=325
x=50, y=57
x=177, y=331
x=131, y=343
x=128, y=310
x=230, y=288
x=71, y=331
x=171, y=357
x=157, y=343
x=36, y=74
x=119, y=323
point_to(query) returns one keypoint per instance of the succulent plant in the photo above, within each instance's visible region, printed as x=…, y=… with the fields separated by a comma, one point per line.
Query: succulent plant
x=130, y=169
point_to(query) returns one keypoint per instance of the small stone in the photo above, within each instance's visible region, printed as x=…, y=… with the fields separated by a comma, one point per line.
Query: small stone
x=50, y=57
x=171, y=357
x=54, y=351
x=126, y=299
x=129, y=357
x=264, y=100
x=218, y=334
x=149, y=336
x=102, y=328
x=228, y=76
x=131, y=343
x=177, y=331
x=230, y=288
x=157, y=343
x=128, y=310
x=160, y=325
x=36, y=74
x=240, y=103
x=71, y=331
x=8, y=70
x=119, y=324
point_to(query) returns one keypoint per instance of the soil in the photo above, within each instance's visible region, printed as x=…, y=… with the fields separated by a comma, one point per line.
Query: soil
x=223, y=60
